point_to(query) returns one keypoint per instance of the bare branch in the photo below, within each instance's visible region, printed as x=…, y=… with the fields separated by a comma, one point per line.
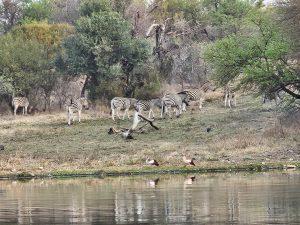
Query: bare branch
x=127, y=133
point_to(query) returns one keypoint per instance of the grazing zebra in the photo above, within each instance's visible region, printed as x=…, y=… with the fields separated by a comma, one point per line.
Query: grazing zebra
x=76, y=106
x=119, y=103
x=176, y=101
x=229, y=96
x=20, y=102
x=148, y=105
x=198, y=95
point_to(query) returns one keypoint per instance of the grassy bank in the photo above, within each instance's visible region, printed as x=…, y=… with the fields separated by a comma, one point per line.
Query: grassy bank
x=127, y=171
x=246, y=137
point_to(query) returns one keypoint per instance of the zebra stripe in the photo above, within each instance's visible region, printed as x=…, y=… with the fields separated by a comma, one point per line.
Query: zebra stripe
x=229, y=96
x=148, y=105
x=198, y=95
x=119, y=103
x=76, y=106
x=194, y=95
x=176, y=101
x=20, y=102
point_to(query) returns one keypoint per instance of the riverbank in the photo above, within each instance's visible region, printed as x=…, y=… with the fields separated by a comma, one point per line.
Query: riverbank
x=260, y=167
x=249, y=137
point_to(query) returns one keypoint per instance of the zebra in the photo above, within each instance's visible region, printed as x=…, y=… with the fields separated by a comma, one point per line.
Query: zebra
x=229, y=96
x=176, y=101
x=20, y=102
x=119, y=103
x=198, y=95
x=148, y=105
x=76, y=106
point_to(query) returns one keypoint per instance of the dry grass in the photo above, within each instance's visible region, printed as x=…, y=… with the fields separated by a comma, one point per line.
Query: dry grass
x=248, y=133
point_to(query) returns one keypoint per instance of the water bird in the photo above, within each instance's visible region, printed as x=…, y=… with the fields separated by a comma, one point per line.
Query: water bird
x=152, y=162
x=208, y=129
x=290, y=167
x=1, y=147
x=189, y=161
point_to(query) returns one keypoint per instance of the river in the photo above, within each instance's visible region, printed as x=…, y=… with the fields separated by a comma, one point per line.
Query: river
x=235, y=198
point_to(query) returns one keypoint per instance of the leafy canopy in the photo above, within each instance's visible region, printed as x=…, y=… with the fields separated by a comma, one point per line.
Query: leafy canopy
x=32, y=65
x=20, y=68
x=102, y=42
x=259, y=60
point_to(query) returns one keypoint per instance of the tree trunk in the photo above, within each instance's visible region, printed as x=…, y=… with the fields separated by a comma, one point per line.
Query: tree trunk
x=47, y=101
x=285, y=89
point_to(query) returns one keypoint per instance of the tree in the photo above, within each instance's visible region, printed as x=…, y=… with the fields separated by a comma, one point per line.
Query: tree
x=64, y=11
x=5, y=86
x=37, y=11
x=32, y=65
x=50, y=36
x=260, y=60
x=225, y=16
x=103, y=47
x=10, y=13
x=20, y=68
x=288, y=16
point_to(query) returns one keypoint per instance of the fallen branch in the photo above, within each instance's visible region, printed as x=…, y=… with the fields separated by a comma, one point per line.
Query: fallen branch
x=149, y=121
x=127, y=133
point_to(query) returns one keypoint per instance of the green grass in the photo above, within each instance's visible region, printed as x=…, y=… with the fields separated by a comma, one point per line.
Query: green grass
x=246, y=135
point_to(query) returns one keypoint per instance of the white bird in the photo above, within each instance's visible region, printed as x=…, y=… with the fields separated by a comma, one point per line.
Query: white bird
x=152, y=162
x=189, y=161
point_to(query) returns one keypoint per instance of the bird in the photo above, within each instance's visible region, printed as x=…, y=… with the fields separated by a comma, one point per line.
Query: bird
x=1, y=147
x=189, y=161
x=152, y=162
x=289, y=167
x=208, y=129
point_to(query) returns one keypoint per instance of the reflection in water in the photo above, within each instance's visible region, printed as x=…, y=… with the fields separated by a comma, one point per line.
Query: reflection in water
x=264, y=198
x=153, y=183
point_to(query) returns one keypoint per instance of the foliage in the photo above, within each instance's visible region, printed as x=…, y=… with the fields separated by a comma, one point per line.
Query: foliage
x=65, y=11
x=245, y=38
x=288, y=17
x=37, y=11
x=21, y=67
x=32, y=66
x=49, y=35
x=178, y=9
x=258, y=61
x=10, y=13
x=5, y=86
x=121, y=6
x=88, y=7
x=226, y=15
x=103, y=47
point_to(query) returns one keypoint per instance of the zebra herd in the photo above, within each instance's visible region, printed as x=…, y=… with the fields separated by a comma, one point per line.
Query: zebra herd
x=176, y=101
x=169, y=102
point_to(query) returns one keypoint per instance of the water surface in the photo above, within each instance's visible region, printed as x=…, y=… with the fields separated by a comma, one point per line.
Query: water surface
x=261, y=198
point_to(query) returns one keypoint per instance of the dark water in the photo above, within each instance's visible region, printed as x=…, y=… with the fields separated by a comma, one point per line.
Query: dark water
x=262, y=198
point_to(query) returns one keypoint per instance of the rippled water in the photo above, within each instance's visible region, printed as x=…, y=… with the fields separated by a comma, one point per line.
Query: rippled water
x=262, y=198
